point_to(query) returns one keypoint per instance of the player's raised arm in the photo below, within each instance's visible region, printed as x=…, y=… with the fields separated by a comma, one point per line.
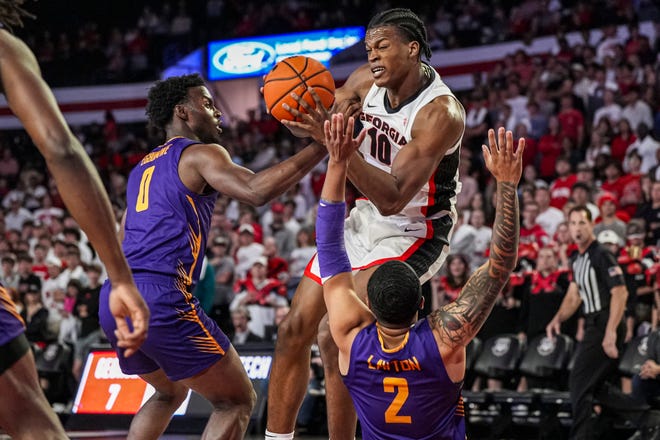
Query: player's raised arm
x=456, y=323
x=346, y=312
x=32, y=101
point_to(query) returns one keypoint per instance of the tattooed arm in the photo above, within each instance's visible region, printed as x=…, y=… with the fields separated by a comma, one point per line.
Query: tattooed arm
x=455, y=324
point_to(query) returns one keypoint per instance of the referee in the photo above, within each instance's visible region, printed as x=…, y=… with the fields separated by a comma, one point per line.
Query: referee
x=599, y=286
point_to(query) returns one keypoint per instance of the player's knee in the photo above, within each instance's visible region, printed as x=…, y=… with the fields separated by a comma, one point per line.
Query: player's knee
x=294, y=332
x=172, y=396
x=241, y=404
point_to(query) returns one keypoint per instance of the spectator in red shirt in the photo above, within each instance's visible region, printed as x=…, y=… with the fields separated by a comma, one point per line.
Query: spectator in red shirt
x=550, y=148
x=560, y=189
x=615, y=181
x=622, y=140
x=532, y=235
x=448, y=286
x=571, y=120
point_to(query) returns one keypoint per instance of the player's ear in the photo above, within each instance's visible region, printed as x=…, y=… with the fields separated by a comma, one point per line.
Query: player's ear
x=181, y=111
x=421, y=303
x=413, y=49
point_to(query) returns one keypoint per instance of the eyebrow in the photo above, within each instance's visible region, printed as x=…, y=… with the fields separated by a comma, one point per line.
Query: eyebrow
x=375, y=43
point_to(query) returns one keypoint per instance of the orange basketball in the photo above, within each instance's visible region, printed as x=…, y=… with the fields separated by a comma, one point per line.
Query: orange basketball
x=297, y=75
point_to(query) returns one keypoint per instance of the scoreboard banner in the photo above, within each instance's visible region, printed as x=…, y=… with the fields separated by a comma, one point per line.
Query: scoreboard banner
x=105, y=389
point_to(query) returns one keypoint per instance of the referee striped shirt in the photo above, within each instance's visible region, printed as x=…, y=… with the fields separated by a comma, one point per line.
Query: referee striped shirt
x=596, y=272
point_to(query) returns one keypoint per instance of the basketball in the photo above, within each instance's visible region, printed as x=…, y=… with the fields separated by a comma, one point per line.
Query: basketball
x=298, y=75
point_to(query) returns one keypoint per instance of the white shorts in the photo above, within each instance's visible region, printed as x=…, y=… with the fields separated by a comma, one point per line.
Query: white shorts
x=372, y=239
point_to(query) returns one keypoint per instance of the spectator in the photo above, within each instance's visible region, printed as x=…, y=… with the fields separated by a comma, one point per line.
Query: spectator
x=86, y=310
x=477, y=122
x=538, y=121
x=646, y=385
x=581, y=195
x=300, y=257
x=73, y=236
x=17, y=215
x=278, y=267
x=608, y=204
x=560, y=189
x=9, y=166
x=549, y=217
x=470, y=186
x=636, y=259
x=563, y=244
x=609, y=110
x=26, y=278
x=35, y=316
x=482, y=237
x=74, y=268
x=571, y=120
x=598, y=151
x=248, y=250
x=532, y=235
x=650, y=213
x=39, y=267
x=47, y=211
x=55, y=281
x=223, y=266
x=550, y=148
x=240, y=318
x=447, y=287
x=541, y=291
x=636, y=111
x=9, y=277
x=622, y=141
x=260, y=295
x=283, y=233
x=646, y=146
x=280, y=314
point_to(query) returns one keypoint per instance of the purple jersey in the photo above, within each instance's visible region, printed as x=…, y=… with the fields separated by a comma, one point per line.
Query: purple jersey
x=166, y=224
x=405, y=392
x=11, y=323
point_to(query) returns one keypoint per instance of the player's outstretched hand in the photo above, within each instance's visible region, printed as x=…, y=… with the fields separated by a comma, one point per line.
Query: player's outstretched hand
x=339, y=138
x=504, y=163
x=127, y=303
x=312, y=118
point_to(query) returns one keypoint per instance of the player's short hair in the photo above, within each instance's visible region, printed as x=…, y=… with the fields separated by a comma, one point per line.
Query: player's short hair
x=12, y=14
x=408, y=23
x=394, y=293
x=164, y=95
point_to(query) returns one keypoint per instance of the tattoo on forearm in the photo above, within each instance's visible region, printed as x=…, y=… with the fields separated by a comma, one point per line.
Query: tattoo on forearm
x=460, y=320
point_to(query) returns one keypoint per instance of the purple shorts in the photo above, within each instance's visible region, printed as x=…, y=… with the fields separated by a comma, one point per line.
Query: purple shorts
x=11, y=324
x=182, y=340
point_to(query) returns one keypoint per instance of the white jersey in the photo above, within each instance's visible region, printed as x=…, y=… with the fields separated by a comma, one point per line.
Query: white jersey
x=388, y=132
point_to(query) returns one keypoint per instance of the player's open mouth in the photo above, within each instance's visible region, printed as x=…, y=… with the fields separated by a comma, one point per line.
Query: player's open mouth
x=377, y=71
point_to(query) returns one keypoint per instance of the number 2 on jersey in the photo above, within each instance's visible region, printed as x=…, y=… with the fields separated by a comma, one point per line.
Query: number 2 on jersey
x=142, y=203
x=399, y=386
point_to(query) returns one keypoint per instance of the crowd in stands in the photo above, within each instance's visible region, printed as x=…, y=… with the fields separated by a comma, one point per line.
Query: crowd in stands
x=590, y=116
x=76, y=46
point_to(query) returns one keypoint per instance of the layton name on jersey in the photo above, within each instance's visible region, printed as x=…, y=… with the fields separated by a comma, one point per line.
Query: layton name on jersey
x=383, y=126
x=394, y=364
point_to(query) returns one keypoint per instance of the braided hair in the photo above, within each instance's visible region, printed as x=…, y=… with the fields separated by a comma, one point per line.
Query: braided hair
x=408, y=23
x=11, y=14
x=164, y=95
